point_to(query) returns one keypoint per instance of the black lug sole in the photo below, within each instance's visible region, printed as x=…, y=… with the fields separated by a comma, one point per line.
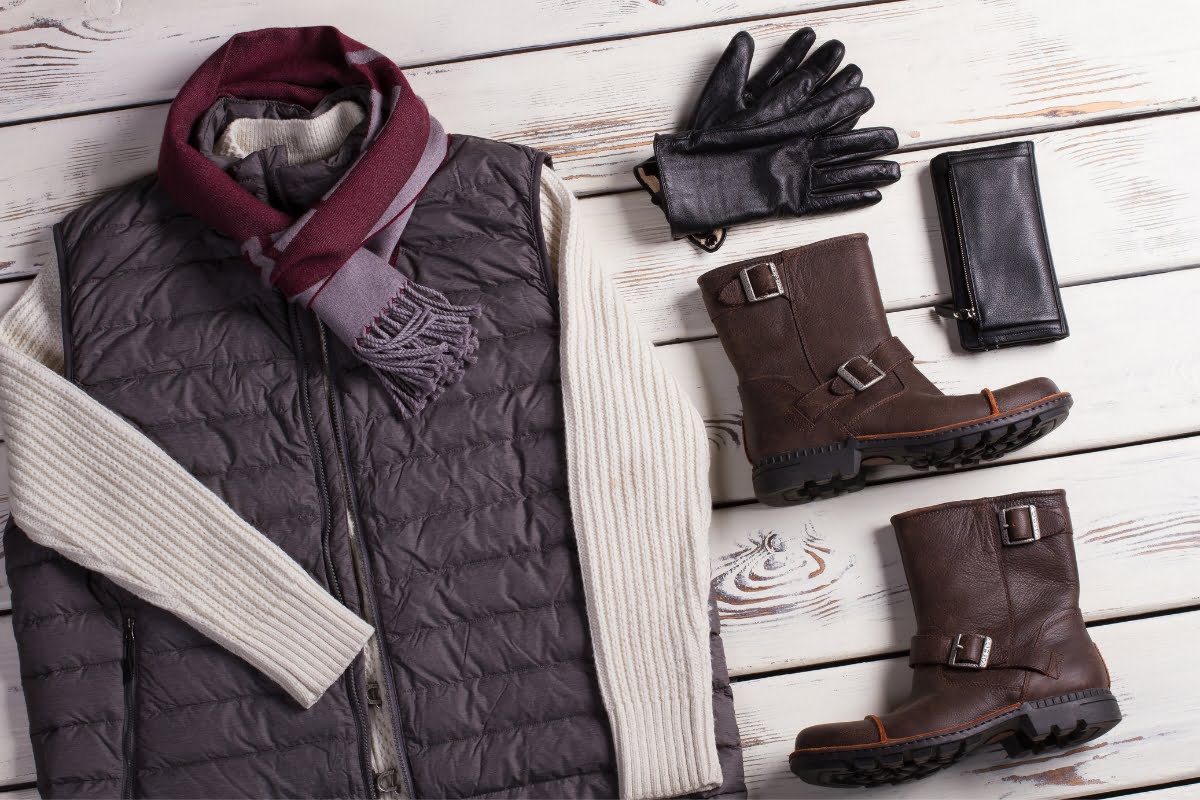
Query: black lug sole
x=831, y=470
x=1034, y=727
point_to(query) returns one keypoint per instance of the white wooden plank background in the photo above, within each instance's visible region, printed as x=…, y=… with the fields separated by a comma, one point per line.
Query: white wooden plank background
x=78, y=55
x=1030, y=64
x=1121, y=202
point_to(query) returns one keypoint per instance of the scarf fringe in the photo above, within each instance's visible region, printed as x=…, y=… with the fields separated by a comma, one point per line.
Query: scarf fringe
x=420, y=345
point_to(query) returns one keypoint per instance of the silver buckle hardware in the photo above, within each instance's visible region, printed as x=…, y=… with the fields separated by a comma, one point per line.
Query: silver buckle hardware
x=858, y=385
x=374, y=695
x=958, y=646
x=1006, y=527
x=748, y=288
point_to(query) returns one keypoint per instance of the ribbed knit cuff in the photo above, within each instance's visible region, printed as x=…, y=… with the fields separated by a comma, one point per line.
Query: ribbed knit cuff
x=297, y=633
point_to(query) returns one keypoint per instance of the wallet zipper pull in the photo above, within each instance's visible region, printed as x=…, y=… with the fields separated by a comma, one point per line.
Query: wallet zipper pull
x=948, y=310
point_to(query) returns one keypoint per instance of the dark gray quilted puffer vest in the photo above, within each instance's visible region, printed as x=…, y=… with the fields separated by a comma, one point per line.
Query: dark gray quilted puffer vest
x=461, y=514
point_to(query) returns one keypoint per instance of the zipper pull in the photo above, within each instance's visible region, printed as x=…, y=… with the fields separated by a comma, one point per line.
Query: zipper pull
x=374, y=695
x=387, y=781
x=948, y=311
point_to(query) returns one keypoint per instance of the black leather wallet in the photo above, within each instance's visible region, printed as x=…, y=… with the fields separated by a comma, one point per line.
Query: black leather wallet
x=1001, y=276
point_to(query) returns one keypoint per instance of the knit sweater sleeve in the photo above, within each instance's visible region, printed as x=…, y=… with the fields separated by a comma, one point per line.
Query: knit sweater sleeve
x=638, y=475
x=85, y=482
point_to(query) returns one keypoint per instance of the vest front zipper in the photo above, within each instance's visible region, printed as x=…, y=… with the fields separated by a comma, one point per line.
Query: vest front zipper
x=129, y=675
x=969, y=313
x=392, y=778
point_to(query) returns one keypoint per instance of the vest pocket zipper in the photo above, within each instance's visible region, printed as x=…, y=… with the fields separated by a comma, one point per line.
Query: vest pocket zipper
x=129, y=677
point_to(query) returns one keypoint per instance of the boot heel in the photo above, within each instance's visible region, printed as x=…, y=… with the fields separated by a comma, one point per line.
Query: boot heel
x=1064, y=721
x=804, y=475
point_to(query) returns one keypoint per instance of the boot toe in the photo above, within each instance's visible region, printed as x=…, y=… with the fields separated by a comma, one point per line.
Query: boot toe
x=1024, y=393
x=838, y=734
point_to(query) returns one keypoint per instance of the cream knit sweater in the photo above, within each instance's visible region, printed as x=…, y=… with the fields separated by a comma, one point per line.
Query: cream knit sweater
x=88, y=484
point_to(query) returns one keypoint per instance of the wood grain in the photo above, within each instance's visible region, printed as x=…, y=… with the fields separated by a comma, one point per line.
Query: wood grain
x=1154, y=743
x=828, y=574
x=1130, y=362
x=68, y=56
x=1030, y=65
x=940, y=72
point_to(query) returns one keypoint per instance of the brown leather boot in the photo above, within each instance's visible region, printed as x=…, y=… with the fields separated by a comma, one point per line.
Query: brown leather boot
x=1000, y=655
x=827, y=389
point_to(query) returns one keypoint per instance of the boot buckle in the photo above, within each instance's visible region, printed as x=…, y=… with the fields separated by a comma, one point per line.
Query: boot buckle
x=845, y=374
x=1006, y=526
x=748, y=287
x=957, y=648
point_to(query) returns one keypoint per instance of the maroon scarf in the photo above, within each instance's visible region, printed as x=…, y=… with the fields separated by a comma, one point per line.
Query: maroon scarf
x=336, y=257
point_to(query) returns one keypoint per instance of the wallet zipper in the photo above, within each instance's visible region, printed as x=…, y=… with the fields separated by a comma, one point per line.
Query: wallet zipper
x=969, y=313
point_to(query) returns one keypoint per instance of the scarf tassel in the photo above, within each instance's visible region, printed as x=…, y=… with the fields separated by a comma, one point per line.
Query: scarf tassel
x=419, y=345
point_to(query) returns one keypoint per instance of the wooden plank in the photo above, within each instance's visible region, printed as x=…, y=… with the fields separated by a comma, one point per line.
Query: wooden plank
x=1029, y=65
x=1118, y=201
x=68, y=56
x=1154, y=743
x=1130, y=362
x=827, y=576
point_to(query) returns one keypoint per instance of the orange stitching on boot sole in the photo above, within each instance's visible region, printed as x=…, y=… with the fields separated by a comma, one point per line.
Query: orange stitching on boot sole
x=1043, y=400
x=992, y=404
x=883, y=737
x=914, y=737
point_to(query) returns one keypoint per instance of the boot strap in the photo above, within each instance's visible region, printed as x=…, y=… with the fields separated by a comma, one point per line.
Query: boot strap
x=1027, y=524
x=853, y=376
x=977, y=651
x=753, y=284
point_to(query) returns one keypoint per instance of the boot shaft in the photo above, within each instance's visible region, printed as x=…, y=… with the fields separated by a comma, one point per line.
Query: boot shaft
x=799, y=313
x=995, y=584
x=979, y=560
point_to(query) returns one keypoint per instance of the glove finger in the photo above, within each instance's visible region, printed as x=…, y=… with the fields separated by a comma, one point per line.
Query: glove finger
x=797, y=88
x=721, y=97
x=845, y=200
x=834, y=114
x=781, y=64
x=851, y=77
x=859, y=175
x=862, y=143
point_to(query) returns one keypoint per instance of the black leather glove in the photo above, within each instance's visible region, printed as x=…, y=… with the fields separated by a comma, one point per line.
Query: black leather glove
x=783, y=87
x=788, y=86
x=807, y=162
